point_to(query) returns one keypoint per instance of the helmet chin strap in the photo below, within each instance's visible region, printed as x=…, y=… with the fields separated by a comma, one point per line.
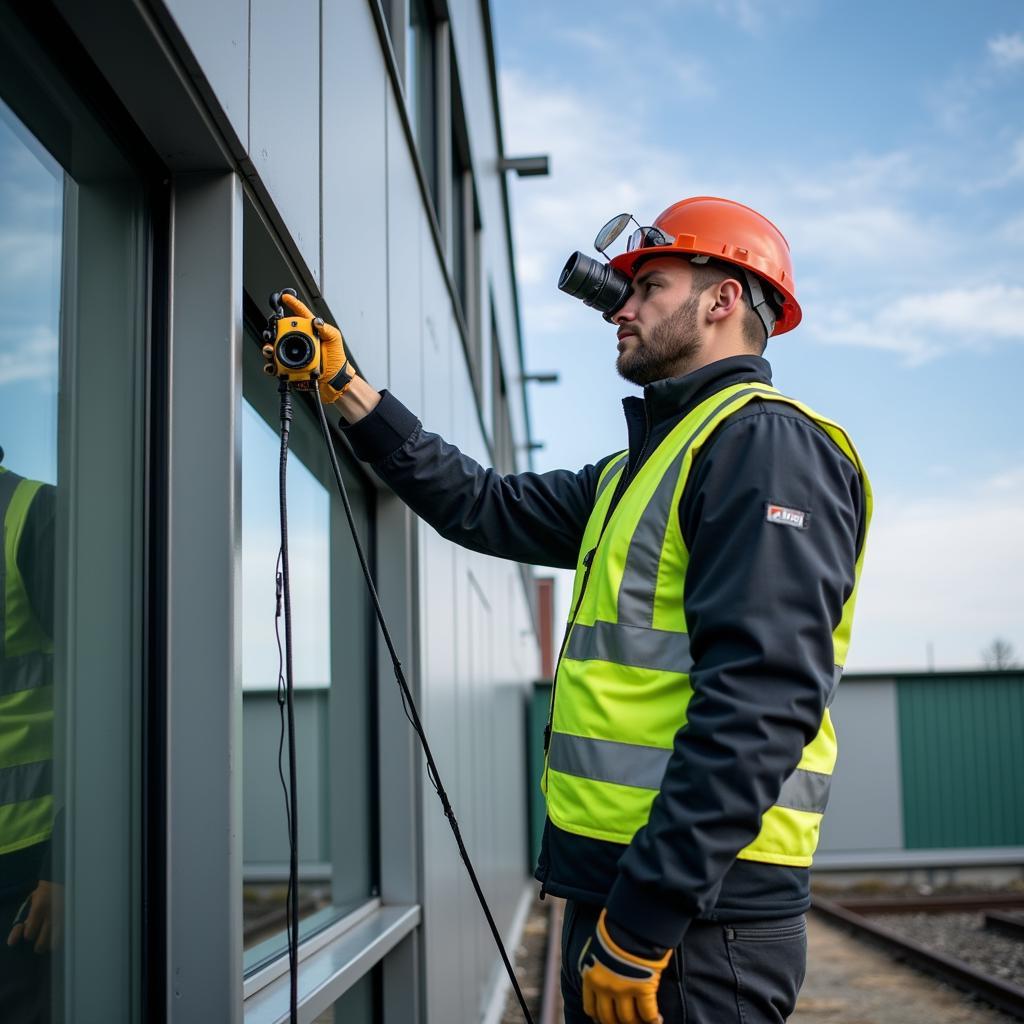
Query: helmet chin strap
x=759, y=302
x=754, y=294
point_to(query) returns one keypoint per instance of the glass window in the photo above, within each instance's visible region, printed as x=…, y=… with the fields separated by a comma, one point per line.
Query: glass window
x=421, y=87
x=73, y=338
x=331, y=631
x=464, y=256
x=504, y=452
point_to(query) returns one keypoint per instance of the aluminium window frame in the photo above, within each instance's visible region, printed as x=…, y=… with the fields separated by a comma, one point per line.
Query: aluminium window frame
x=127, y=981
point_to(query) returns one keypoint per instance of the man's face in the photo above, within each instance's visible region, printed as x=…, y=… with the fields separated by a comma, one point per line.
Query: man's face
x=659, y=333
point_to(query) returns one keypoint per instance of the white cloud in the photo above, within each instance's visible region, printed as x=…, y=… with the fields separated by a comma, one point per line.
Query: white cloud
x=26, y=355
x=862, y=235
x=945, y=569
x=600, y=168
x=1007, y=50
x=923, y=326
x=602, y=43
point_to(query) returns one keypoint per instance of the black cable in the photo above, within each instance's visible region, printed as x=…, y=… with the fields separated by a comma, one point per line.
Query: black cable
x=409, y=706
x=291, y=790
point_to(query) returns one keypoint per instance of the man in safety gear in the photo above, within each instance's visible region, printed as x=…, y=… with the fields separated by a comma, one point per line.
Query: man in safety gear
x=689, y=746
x=30, y=896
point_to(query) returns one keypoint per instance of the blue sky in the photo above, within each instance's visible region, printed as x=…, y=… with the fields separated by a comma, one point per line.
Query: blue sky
x=887, y=143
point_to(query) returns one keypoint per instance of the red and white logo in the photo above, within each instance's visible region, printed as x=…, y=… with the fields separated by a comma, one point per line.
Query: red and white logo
x=786, y=516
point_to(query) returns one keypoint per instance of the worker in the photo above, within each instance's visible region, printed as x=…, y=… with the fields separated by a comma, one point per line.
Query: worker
x=689, y=748
x=31, y=897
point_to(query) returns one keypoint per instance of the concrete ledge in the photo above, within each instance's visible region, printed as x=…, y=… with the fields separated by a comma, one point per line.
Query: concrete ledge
x=900, y=860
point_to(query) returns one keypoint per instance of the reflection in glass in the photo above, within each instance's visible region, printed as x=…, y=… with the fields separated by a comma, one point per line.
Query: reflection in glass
x=331, y=621
x=421, y=87
x=31, y=882
x=265, y=848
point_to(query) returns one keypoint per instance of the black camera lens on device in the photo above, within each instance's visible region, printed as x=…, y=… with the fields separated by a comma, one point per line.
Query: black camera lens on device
x=295, y=350
x=595, y=284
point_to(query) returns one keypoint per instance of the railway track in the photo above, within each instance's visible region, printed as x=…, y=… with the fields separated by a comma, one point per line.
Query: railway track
x=852, y=914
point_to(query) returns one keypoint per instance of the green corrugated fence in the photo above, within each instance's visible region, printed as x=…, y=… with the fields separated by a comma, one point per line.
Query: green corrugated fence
x=962, y=756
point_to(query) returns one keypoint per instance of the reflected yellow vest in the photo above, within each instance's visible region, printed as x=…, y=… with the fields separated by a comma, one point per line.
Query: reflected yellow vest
x=622, y=685
x=26, y=687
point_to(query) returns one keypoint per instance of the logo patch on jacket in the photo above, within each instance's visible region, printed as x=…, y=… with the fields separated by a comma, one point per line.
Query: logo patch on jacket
x=786, y=516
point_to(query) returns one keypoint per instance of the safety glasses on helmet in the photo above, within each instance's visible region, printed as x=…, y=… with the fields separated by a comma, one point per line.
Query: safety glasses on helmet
x=641, y=238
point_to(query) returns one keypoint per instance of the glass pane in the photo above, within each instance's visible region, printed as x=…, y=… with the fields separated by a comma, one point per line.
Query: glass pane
x=31, y=238
x=421, y=88
x=73, y=236
x=331, y=658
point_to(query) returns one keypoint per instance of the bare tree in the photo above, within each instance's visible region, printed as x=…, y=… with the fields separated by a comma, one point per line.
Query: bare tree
x=999, y=654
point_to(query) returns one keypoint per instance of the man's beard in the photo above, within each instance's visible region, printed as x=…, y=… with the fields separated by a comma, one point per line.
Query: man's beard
x=668, y=349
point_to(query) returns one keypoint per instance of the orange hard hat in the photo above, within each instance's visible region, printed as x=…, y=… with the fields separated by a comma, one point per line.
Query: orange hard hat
x=723, y=230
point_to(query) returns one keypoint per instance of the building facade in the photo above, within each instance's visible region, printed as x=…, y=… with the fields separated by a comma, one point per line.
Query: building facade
x=166, y=164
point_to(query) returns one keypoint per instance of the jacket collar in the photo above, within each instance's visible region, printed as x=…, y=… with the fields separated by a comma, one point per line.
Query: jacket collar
x=673, y=397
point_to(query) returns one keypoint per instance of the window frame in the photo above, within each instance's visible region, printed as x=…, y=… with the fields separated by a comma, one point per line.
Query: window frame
x=65, y=63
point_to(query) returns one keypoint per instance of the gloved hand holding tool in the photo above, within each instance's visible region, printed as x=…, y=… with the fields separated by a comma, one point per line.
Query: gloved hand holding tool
x=337, y=375
x=619, y=987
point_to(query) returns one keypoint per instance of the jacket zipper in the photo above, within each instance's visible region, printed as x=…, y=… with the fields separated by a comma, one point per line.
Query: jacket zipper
x=588, y=561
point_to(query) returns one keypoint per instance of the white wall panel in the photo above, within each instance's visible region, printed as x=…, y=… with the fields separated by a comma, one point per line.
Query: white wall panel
x=218, y=36
x=355, y=87
x=865, y=810
x=284, y=120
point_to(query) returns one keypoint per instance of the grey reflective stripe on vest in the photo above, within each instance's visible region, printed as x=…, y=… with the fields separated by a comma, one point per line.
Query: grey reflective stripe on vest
x=23, y=782
x=8, y=485
x=625, y=764
x=628, y=764
x=25, y=672
x=613, y=467
x=635, y=646
x=643, y=647
x=805, y=791
x=640, y=576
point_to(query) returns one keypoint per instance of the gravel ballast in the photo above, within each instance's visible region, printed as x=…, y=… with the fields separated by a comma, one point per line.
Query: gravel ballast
x=963, y=936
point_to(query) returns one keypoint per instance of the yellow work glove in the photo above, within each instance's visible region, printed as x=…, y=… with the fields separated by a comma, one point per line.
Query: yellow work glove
x=337, y=371
x=619, y=987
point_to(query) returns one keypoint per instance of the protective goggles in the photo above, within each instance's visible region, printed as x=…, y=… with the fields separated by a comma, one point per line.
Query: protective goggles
x=641, y=238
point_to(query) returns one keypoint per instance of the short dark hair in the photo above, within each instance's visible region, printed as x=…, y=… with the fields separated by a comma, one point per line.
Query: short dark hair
x=714, y=272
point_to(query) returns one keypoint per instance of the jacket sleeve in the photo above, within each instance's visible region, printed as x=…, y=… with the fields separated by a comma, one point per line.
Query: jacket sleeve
x=762, y=600
x=536, y=518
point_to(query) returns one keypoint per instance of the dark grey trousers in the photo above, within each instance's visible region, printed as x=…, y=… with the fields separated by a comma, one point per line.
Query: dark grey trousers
x=747, y=973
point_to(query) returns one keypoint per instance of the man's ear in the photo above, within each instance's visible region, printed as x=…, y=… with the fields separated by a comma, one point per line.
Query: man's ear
x=726, y=297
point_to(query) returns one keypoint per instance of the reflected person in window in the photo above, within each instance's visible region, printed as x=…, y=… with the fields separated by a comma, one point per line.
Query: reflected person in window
x=31, y=898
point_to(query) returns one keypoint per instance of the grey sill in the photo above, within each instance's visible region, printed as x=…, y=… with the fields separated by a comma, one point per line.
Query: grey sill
x=327, y=972
x=950, y=857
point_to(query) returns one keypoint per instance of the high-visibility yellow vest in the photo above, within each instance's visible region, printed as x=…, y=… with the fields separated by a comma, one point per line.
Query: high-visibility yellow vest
x=26, y=687
x=622, y=685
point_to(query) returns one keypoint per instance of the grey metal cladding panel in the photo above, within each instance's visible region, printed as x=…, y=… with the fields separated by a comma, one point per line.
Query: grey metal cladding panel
x=865, y=809
x=284, y=115
x=355, y=87
x=218, y=36
x=438, y=336
x=406, y=224
x=443, y=876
